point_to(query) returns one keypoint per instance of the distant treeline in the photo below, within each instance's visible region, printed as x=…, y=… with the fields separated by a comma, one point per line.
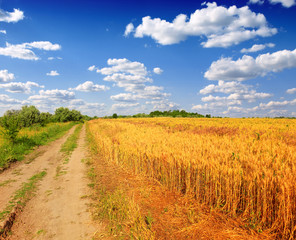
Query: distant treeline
x=170, y=113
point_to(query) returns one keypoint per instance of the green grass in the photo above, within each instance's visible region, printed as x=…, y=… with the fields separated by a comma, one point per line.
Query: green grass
x=7, y=182
x=23, y=195
x=24, y=144
x=71, y=143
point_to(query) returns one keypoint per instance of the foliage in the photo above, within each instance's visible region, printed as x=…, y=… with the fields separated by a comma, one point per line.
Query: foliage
x=28, y=139
x=65, y=115
x=28, y=116
x=10, y=124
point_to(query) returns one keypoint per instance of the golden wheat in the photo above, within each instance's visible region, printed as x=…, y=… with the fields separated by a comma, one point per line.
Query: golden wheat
x=246, y=167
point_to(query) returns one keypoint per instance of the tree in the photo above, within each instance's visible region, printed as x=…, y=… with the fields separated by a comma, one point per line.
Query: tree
x=10, y=123
x=28, y=116
x=114, y=115
x=65, y=115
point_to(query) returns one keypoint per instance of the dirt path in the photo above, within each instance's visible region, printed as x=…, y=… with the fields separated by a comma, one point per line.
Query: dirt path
x=60, y=208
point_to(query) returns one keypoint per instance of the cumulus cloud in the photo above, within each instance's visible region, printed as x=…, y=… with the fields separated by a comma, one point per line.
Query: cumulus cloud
x=84, y=107
x=125, y=97
x=247, y=67
x=277, y=104
x=285, y=3
x=13, y=17
x=91, y=68
x=128, y=29
x=3, y=31
x=291, y=90
x=222, y=27
x=163, y=105
x=157, y=70
x=123, y=106
x=226, y=87
x=251, y=96
x=19, y=87
x=132, y=76
x=5, y=76
x=257, y=47
x=53, y=73
x=123, y=65
x=149, y=92
x=23, y=51
x=5, y=99
x=89, y=86
x=53, y=95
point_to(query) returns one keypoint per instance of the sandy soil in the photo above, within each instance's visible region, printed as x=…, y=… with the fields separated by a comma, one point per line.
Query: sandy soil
x=59, y=209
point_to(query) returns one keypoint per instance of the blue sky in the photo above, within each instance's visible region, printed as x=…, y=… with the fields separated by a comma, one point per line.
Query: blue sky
x=226, y=58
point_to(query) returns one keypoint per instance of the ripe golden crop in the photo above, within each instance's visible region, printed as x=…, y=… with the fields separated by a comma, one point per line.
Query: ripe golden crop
x=246, y=167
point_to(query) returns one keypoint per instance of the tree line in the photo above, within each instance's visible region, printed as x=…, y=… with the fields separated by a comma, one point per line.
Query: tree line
x=14, y=120
x=170, y=113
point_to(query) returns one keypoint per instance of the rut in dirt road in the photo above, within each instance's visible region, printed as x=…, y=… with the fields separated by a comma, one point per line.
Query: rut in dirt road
x=59, y=210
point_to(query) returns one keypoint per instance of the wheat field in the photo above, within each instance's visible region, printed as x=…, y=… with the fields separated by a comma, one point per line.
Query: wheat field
x=245, y=167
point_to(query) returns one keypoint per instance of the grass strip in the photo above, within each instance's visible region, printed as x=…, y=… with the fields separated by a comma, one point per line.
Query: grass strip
x=71, y=143
x=24, y=144
x=23, y=195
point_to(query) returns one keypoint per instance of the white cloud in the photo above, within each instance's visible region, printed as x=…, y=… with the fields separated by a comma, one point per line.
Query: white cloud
x=247, y=67
x=91, y=68
x=133, y=77
x=49, y=100
x=128, y=29
x=5, y=76
x=52, y=58
x=23, y=51
x=125, y=97
x=157, y=70
x=260, y=2
x=89, y=86
x=291, y=91
x=44, y=45
x=276, y=104
x=221, y=26
x=53, y=73
x=90, y=109
x=19, y=87
x=9, y=17
x=123, y=65
x=5, y=99
x=251, y=96
x=163, y=105
x=285, y=3
x=149, y=92
x=226, y=87
x=55, y=94
x=123, y=106
x=3, y=31
x=257, y=47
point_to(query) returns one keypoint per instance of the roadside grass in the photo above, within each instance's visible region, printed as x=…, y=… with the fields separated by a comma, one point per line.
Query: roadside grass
x=23, y=195
x=67, y=148
x=70, y=144
x=28, y=139
x=7, y=182
x=119, y=212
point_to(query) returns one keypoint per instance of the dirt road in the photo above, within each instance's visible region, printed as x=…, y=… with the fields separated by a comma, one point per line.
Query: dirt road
x=59, y=210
